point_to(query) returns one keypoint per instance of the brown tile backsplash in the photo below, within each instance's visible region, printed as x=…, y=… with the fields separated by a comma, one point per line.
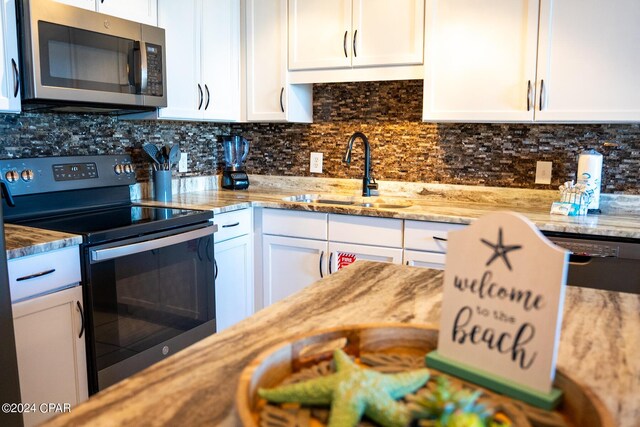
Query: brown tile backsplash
x=389, y=113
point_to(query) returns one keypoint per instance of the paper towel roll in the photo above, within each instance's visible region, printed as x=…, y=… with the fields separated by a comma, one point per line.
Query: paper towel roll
x=590, y=173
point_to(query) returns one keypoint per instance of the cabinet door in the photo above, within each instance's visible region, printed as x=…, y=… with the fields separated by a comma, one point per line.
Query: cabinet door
x=290, y=264
x=184, y=89
x=424, y=259
x=387, y=32
x=234, y=281
x=343, y=254
x=51, y=351
x=480, y=60
x=85, y=4
x=9, y=73
x=588, y=61
x=145, y=11
x=220, y=57
x=319, y=34
x=269, y=97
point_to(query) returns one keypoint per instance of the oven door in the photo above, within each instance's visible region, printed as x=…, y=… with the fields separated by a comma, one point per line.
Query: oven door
x=146, y=299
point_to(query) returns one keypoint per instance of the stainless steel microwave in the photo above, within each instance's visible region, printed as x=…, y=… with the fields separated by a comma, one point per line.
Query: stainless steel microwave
x=78, y=60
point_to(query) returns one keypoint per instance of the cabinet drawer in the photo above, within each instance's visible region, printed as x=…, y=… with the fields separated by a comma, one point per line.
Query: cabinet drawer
x=309, y=225
x=43, y=273
x=420, y=235
x=232, y=224
x=365, y=230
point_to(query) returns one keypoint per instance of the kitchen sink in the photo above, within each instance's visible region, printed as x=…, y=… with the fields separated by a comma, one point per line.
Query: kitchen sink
x=365, y=202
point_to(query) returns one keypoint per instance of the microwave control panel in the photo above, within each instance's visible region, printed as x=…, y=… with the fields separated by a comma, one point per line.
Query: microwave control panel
x=154, y=70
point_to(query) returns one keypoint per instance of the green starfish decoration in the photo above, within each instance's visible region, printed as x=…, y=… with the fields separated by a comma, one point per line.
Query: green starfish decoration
x=353, y=391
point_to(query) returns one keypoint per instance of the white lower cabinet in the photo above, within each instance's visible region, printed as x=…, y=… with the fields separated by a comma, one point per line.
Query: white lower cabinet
x=343, y=254
x=233, y=267
x=50, y=347
x=290, y=264
x=234, y=281
x=424, y=259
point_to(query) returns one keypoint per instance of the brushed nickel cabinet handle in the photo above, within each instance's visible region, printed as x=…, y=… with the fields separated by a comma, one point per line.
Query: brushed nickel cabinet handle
x=355, y=35
x=200, y=96
x=215, y=269
x=528, y=95
x=541, y=93
x=321, y=256
x=281, y=101
x=206, y=88
x=439, y=239
x=235, y=224
x=330, y=260
x=344, y=44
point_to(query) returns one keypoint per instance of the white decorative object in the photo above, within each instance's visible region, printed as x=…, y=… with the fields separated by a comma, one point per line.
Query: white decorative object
x=590, y=174
x=504, y=288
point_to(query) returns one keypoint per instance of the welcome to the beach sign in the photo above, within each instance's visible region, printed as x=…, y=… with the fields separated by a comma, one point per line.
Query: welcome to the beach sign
x=502, y=308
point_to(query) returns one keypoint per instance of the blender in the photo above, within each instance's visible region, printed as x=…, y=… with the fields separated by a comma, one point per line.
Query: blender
x=236, y=149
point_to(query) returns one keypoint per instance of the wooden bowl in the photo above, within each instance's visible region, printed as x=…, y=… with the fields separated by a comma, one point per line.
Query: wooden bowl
x=580, y=407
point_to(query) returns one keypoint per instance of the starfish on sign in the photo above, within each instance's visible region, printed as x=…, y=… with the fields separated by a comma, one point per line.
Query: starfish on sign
x=353, y=391
x=500, y=250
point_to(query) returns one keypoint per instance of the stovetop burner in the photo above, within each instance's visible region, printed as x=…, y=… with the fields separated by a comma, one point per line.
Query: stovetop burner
x=119, y=222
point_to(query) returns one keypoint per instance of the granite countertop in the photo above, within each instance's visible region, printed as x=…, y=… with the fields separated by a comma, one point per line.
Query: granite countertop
x=23, y=241
x=430, y=202
x=599, y=347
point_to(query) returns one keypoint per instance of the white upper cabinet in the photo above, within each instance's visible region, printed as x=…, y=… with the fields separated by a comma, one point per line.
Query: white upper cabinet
x=319, y=34
x=491, y=61
x=9, y=72
x=145, y=11
x=480, y=62
x=269, y=95
x=203, y=59
x=387, y=32
x=589, y=61
x=220, y=59
x=341, y=34
x=85, y=4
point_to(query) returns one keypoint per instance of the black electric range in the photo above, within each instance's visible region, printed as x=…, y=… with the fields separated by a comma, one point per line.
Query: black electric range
x=147, y=272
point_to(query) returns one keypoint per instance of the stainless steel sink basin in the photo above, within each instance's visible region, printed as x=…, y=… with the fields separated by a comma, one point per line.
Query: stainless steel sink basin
x=366, y=202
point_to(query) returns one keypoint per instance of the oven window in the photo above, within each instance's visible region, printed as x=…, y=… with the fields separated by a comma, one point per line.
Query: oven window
x=80, y=59
x=145, y=299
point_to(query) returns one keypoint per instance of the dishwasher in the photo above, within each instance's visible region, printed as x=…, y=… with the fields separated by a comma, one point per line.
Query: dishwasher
x=601, y=262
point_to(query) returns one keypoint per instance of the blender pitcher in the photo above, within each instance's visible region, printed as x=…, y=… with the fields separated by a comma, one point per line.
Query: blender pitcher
x=236, y=148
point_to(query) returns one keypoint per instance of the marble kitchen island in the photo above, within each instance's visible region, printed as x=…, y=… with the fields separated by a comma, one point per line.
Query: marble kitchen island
x=599, y=346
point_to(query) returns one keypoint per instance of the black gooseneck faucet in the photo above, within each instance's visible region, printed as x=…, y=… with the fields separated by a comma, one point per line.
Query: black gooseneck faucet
x=368, y=183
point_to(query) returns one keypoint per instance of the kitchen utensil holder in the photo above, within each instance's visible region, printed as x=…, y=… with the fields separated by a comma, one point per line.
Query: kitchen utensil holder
x=162, y=185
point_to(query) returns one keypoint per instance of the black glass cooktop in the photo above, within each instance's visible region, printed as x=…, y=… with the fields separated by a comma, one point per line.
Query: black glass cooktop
x=119, y=222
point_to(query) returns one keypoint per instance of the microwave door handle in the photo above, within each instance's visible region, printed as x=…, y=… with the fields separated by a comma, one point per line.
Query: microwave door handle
x=144, y=67
x=99, y=255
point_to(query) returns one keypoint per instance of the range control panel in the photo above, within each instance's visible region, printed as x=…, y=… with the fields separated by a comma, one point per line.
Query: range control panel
x=50, y=174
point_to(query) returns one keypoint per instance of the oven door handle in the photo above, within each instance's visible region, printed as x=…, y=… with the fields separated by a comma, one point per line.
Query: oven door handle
x=99, y=255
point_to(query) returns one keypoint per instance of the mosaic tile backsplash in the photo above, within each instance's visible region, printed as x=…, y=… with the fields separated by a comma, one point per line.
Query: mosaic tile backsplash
x=403, y=148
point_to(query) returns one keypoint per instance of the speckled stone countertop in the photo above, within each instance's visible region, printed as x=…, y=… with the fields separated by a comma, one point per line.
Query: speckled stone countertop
x=429, y=202
x=599, y=347
x=23, y=241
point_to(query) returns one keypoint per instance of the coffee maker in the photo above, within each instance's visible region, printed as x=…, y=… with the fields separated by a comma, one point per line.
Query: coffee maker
x=236, y=149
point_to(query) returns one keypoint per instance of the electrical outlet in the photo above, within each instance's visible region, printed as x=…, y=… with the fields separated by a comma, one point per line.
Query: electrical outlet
x=315, y=163
x=543, y=172
x=182, y=164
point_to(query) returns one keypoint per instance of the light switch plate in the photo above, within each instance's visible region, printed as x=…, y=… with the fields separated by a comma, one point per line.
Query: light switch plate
x=315, y=163
x=182, y=164
x=543, y=172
